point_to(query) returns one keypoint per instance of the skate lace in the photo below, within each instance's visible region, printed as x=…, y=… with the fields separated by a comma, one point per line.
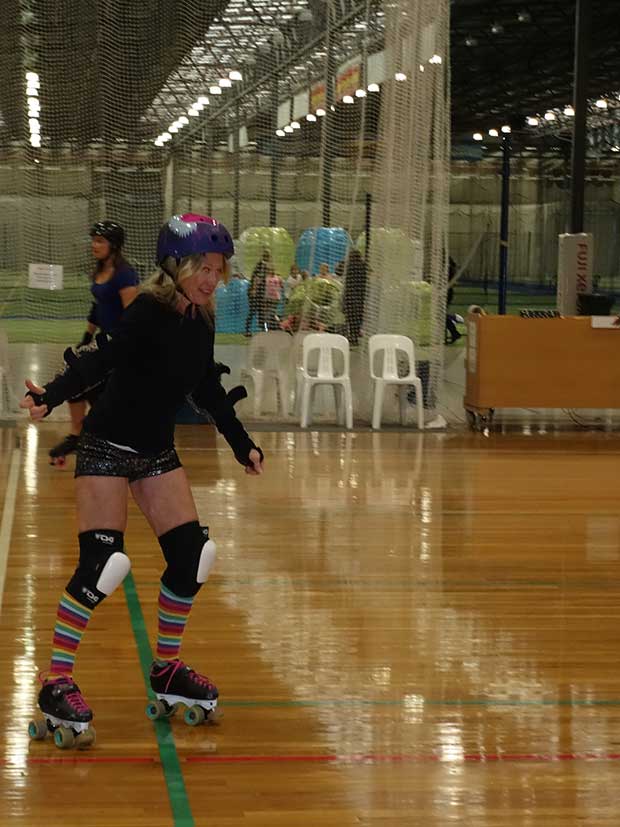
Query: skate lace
x=198, y=679
x=77, y=701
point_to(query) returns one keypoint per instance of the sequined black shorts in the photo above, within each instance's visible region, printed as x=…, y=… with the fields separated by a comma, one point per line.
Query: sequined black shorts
x=98, y=458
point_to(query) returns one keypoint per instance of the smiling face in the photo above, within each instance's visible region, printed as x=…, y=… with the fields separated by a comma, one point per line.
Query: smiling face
x=200, y=286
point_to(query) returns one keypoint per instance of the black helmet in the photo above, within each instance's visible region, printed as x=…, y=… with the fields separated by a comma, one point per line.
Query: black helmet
x=111, y=231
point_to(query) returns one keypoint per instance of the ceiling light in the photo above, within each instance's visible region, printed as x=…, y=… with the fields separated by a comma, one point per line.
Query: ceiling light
x=215, y=90
x=166, y=136
x=32, y=76
x=225, y=83
x=549, y=116
x=235, y=75
x=436, y=59
x=288, y=129
x=360, y=93
x=531, y=121
x=193, y=113
x=615, y=149
x=348, y=99
x=183, y=120
x=311, y=118
x=569, y=111
x=524, y=16
x=506, y=130
x=497, y=28
x=374, y=87
x=471, y=41
x=320, y=113
x=493, y=133
x=35, y=140
x=280, y=133
x=296, y=125
x=477, y=136
x=203, y=100
x=35, y=126
x=400, y=76
x=601, y=103
x=173, y=128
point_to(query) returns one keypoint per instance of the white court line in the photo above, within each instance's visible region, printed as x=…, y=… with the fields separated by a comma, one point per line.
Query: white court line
x=6, y=527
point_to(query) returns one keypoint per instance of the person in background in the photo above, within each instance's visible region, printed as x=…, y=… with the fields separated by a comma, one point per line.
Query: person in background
x=114, y=286
x=273, y=296
x=256, y=293
x=452, y=334
x=354, y=296
x=294, y=278
x=324, y=271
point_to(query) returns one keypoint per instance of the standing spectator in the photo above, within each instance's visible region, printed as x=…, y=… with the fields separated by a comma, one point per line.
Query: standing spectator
x=452, y=334
x=256, y=294
x=354, y=296
x=273, y=296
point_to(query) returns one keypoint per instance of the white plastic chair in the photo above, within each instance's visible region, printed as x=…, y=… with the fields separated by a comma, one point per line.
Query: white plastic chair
x=327, y=344
x=391, y=345
x=268, y=359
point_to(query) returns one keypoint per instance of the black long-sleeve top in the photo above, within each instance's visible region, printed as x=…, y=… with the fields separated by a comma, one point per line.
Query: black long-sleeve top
x=153, y=361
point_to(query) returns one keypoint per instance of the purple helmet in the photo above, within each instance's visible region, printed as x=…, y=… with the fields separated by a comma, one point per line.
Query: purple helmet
x=187, y=234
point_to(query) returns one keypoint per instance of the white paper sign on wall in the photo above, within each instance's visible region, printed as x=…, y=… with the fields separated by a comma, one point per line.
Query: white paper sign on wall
x=45, y=276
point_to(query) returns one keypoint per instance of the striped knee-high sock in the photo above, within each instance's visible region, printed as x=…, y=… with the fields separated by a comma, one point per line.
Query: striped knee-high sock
x=172, y=617
x=71, y=621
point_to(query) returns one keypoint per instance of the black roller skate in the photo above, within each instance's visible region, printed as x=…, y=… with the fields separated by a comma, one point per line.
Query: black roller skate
x=60, y=452
x=176, y=685
x=66, y=715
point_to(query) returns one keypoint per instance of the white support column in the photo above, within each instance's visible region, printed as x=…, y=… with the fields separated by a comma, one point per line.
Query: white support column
x=575, y=254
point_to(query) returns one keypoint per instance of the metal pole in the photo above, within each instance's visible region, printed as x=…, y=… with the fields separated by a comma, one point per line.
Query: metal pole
x=368, y=225
x=503, y=233
x=209, y=143
x=236, y=170
x=273, y=125
x=328, y=149
x=583, y=26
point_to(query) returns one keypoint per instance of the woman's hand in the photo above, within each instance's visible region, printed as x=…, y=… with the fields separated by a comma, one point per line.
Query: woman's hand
x=256, y=467
x=36, y=411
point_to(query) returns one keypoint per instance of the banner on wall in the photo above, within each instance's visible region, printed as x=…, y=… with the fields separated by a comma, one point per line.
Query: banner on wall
x=349, y=78
x=317, y=96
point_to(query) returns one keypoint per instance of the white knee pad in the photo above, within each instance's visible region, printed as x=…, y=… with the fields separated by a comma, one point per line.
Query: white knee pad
x=206, y=561
x=114, y=572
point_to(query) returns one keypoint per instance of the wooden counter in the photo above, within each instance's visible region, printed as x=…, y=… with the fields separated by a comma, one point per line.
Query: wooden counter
x=541, y=363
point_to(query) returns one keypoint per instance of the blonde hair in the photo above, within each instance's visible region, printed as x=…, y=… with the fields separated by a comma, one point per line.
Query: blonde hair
x=164, y=288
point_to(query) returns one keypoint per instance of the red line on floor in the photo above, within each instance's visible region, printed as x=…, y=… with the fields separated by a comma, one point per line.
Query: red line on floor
x=372, y=758
x=77, y=758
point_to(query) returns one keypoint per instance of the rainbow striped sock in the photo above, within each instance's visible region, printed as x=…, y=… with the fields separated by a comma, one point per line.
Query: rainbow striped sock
x=172, y=617
x=71, y=621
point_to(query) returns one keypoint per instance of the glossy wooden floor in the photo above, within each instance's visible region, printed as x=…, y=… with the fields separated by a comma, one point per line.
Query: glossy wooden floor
x=405, y=629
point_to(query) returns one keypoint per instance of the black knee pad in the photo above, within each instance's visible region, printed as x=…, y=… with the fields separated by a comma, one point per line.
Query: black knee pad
x=103, y=566
x=190, y=554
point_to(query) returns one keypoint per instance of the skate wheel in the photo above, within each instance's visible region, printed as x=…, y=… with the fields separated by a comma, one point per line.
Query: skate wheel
x=86, y=739
x=156, y=709
x=37, y=730
x=195, y=715
x=64, y=737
